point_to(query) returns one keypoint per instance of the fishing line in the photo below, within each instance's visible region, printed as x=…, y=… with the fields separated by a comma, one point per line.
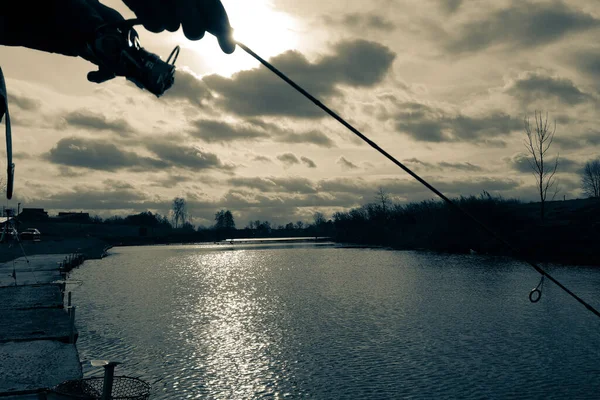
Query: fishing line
x=516, y=252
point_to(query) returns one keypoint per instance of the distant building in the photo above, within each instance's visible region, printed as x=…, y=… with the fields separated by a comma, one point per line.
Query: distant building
x=33, y=214
x=73, y=216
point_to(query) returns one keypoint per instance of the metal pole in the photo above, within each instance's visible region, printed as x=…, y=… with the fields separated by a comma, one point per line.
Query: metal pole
x=72, y=324
x=69, y=300
x=109, y=373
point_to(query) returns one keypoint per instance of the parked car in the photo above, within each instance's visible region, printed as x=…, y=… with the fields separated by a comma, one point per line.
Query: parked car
x=31, y=234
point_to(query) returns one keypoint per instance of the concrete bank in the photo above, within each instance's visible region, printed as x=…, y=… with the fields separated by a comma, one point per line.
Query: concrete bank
x=37, y=336
x=90, y=247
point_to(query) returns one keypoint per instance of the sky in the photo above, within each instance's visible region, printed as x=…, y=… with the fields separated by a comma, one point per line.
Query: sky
x=442, y=85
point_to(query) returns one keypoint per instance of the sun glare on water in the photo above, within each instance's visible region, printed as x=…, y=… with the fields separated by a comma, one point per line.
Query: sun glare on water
x=258, y=25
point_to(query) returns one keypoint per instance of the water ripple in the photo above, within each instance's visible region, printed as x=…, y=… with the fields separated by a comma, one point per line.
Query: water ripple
x=324, y=322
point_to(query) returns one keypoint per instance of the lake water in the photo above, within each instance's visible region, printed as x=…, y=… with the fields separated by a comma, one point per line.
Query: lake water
x=327, y=322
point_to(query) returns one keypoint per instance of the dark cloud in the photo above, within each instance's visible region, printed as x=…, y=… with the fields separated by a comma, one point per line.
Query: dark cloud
x=90, y=120
x=254, y=129
x=590, y=139
x=116, y=184
x=258, y=92
x=21, y=155
x=94, y=199
x=217, y=131
x=461, y=166
x=588, y=61
x=284, y=135
x=95, y=154
x=569, y=165
x=288, y=159
x=185, y=156
x=171, y=181
x=188, y=87
x=311, y=137
x=23, y=102
x=424, y=123
x=345, y=163
x=466, y=166
x=262, y=159
x=522, y=163
x=524, y=24
x=361, y=22
x=69, y=172
x=309, y=163
x=450, y=6
x=536, y=86
x=276, y=185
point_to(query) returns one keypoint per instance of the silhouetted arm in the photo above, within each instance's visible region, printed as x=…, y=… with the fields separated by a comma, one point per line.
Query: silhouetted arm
x=65, y=26
x=54, y=26
x=195, y=16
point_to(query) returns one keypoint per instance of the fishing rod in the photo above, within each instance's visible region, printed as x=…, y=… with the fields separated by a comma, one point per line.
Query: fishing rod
x=149, y=72
x=535, y=294
x=10, y=166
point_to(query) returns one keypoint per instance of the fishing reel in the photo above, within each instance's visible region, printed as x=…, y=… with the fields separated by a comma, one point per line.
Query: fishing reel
x=116, y=50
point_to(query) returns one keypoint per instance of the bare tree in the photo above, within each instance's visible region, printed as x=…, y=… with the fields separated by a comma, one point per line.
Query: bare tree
x=179, y=209
x=539, y=139
x=590, y=178
x=383, y=198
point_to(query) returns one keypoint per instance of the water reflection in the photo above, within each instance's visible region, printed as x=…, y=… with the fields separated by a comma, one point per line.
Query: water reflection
x=210, y=322
x=232, y=340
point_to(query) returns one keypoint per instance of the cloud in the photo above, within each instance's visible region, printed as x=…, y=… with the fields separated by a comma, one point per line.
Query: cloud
x=428, y=124
x=450, y=6
x=311, y=137
x=569, y=165
x=309, y=163
x=186, y=156
x=258, y=92
x=534, y=86
x=262, y=159
x=345, y=163
x=97, y=155
x=94, y=198
x=188, y=87
x=69, y=172
x=216, y=131
x=275, y=185
x=288, y=159
x=466, y=166
x=588, y=61
x=24, y=102
x=590, y=139
x=360, y=22
x=253, y=130
x=116, y=184
x=521, y=162
x=523, y=25
x=171, y=181
x=90, y=120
